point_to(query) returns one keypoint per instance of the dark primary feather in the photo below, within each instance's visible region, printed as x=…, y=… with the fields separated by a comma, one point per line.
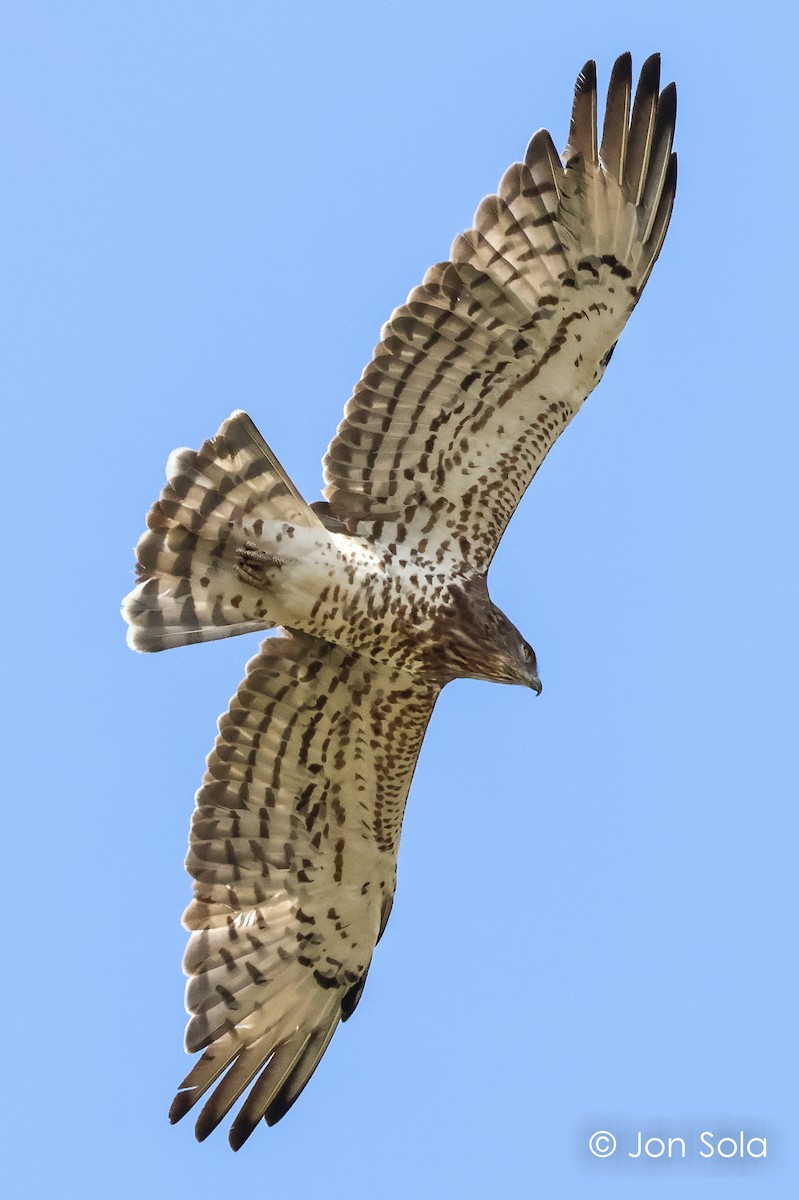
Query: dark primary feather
x=613, y=151
x=642, y=128
x=582, y=131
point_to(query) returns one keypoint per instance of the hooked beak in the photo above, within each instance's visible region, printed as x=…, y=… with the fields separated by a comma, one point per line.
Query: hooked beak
x=536, y=684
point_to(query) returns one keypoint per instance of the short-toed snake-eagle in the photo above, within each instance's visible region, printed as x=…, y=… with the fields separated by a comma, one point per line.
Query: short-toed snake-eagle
x=380, y=589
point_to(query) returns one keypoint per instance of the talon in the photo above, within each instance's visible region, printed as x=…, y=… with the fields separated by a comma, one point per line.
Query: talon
x=252, y=564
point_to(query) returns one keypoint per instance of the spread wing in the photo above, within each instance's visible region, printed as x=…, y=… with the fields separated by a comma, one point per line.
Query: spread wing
x=482, y=368
x=293, y=851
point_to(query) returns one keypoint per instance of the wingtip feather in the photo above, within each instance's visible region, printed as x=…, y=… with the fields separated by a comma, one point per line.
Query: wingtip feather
x=642, y=127
x=616, y=126
x=662, y=217
x=582, y=131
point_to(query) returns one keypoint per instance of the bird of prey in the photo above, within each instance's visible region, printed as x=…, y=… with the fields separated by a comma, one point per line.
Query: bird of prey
x=378, y=592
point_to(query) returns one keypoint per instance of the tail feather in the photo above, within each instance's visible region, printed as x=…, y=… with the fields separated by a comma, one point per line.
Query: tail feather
x=215, y=498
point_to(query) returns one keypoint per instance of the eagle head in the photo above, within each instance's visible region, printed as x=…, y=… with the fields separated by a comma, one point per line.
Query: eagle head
x=507, y=656
x=475, y=640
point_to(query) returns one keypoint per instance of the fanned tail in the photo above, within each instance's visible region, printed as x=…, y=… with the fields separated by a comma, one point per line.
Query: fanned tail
x=189, y=589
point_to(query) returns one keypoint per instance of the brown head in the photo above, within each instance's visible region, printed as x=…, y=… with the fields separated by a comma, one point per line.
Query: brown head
x=475, y=640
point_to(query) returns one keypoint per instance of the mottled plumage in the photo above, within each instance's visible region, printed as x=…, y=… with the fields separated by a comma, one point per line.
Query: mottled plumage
x=380, y=589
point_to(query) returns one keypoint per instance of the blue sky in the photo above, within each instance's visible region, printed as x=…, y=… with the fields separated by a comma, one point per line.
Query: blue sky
x=214, y=206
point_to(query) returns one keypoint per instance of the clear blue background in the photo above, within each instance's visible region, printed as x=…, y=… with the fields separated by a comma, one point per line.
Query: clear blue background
x=210, y=206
